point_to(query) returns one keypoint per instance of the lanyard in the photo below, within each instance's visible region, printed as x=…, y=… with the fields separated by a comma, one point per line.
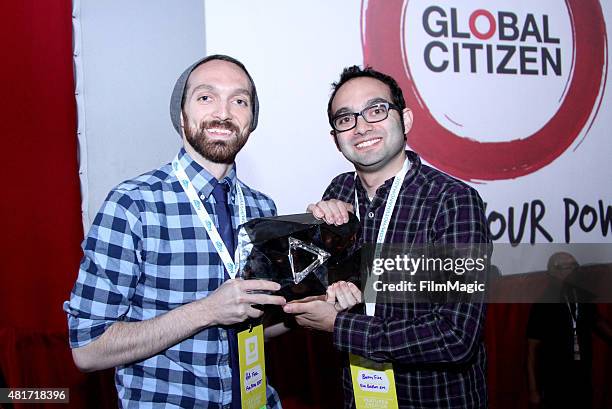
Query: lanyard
x=196, y=203
x=572, y=314
x=384, y=224
x=574, y=327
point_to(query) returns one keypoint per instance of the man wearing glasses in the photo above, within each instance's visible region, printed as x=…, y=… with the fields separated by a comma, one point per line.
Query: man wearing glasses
x=436, y=350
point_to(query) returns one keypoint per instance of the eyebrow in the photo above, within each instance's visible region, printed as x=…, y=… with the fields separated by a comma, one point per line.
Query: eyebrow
x=206, y=87
x=369, y=102
x=198, y=88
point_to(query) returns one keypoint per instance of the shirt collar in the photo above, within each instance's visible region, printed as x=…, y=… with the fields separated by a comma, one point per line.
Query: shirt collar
x=383, y=190
x=201, y=179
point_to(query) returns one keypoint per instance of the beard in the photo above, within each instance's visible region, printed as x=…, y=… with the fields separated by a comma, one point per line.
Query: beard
x=217, y=151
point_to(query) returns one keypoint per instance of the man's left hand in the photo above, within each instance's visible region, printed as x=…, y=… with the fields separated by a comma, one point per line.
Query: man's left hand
x=315, y=314
x=319, y=312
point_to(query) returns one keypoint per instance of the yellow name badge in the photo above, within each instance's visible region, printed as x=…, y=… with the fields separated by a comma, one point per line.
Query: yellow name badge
x=373, y=384
x=252, y=368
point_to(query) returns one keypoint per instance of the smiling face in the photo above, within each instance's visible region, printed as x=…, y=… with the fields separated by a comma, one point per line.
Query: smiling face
x=217, y=111
x=369, y=146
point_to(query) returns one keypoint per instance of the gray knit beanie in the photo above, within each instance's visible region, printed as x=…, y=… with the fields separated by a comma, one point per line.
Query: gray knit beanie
x=176, y=100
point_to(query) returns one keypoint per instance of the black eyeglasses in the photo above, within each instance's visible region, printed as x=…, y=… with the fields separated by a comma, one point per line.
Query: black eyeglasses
x=372, y=114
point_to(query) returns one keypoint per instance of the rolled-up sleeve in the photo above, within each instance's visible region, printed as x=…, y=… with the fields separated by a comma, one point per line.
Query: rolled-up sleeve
x=109, y=270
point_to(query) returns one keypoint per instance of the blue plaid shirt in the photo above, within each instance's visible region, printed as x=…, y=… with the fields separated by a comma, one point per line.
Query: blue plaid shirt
x=437, y=350
x=147, y=253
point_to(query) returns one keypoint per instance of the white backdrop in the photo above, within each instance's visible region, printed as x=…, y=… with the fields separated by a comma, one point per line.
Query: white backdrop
x=131, y=52
x=294, y=50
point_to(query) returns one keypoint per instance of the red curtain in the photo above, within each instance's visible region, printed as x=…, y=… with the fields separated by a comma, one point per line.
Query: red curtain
x=41, y=200
x=40, y=206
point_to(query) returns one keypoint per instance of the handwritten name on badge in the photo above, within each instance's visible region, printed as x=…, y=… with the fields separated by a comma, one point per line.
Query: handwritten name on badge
x=253, y=378
x=373, y=381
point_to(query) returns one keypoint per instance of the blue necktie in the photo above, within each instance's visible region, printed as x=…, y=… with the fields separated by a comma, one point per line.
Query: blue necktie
x=224, y=215
x=226, y=231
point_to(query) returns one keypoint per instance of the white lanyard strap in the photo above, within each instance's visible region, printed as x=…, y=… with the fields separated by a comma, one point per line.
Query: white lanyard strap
x=398, y=180
x=574, y=317
x=574, y=327
x=207, y=222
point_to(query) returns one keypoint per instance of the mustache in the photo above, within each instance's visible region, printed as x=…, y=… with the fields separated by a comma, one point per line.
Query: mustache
x=227, y=125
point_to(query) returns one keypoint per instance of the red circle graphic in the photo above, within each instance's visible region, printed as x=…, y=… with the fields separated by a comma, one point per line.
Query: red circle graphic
x=464, y=157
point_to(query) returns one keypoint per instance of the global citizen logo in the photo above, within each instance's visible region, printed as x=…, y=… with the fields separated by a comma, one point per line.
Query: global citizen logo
x=498, y=89
x=468, y=48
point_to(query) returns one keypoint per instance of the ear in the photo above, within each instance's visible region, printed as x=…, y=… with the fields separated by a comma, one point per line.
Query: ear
x=183, y=122
x=408, y=118
x=335, y=139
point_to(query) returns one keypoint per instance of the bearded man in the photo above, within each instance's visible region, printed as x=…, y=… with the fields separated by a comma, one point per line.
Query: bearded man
x=156, y=295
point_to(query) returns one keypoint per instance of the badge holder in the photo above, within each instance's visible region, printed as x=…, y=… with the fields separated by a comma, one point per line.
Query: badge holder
x=252, y=367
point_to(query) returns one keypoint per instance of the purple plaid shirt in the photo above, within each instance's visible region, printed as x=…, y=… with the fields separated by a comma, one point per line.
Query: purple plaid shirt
x=437, y=350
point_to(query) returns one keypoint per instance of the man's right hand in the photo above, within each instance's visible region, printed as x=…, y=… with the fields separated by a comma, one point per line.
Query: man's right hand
x=332, y=211
x=233, y=301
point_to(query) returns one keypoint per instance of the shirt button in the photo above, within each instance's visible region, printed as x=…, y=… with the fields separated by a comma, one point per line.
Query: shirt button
x=371, y=215
x=202, y=197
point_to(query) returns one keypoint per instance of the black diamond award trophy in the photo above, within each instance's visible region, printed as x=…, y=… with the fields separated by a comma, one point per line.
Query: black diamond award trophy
x=301, y=253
